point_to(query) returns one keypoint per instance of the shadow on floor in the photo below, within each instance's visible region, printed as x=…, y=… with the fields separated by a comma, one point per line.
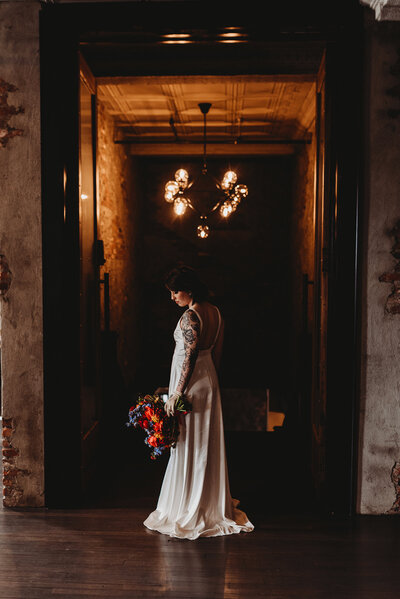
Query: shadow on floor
x=266, y=473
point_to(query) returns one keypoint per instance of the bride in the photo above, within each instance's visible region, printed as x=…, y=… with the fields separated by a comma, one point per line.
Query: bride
x=195, y=499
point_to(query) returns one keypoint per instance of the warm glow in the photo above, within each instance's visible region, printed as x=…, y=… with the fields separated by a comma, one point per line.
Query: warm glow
x=226, y=209
x=242, y=190
x=238, y=41
x=225, y=203
x=182, y=178
x=232, y=34
x=180, y=205
x=171, y=189
x=176, y=42
x=235, y=202
x=172, y=186
x=177, y=35
x=203, y=231
x=169, y=197
x=229, y=180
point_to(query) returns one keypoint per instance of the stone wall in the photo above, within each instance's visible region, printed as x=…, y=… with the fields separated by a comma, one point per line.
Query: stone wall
x=20, y=242
x=379, y=437
x=119, y=208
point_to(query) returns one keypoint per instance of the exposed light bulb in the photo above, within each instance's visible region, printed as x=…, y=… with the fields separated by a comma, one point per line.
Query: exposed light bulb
x=180, y=205
x=229, y=180
x=203, y=231
x=171, y=189
x=242, y=190
x=84, y=196
x=182, y=178
x=169, y=196
x=226, y=209
x=235, y=202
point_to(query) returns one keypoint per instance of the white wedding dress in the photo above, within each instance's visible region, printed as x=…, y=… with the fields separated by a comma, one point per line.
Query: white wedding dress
x=195, y=499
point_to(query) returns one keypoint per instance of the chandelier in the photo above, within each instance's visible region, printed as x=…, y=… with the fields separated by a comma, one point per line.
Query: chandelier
x=230, y=192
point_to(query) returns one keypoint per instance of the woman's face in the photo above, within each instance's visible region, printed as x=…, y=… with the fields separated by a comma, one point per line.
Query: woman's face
x=182, y=298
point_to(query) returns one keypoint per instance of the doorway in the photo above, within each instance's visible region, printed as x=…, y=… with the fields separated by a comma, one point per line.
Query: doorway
x=247, y=260
x=286, y=211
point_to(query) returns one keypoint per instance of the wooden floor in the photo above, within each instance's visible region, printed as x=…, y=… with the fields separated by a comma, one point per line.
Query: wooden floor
x=108, y=553
x=103, y=550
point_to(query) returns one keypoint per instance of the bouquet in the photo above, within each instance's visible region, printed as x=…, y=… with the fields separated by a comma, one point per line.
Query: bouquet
x=162, y=431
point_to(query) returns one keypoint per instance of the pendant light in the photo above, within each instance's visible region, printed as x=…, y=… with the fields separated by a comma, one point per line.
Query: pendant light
x=229, y=191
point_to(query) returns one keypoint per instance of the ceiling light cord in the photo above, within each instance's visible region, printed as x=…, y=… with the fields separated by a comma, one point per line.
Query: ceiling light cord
x=204, y=107
x=205, y=145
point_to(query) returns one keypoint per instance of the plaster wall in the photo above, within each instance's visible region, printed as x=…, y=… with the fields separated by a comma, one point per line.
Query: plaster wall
x=20, y=242
x=379, y=437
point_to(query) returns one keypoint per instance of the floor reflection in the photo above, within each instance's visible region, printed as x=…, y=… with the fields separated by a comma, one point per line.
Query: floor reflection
x=203, y=561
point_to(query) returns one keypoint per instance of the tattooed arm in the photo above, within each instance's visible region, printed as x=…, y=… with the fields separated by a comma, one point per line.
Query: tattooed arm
x=191, y=332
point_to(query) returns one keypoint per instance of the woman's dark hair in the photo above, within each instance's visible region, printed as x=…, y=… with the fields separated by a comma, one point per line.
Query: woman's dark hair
x=185, y=278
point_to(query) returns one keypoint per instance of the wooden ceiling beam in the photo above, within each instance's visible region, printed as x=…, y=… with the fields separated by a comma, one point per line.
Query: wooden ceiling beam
x=204, y=79
x=171, y=149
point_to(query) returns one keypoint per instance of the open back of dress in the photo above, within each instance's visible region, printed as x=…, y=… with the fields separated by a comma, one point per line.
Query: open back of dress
x=210, y=325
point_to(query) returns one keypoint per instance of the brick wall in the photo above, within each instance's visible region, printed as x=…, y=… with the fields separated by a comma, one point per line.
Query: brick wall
x=119, y=227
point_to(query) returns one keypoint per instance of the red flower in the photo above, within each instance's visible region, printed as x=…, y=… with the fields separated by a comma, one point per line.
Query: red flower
x=149, y=413
x=158, y=426
x=152, y=441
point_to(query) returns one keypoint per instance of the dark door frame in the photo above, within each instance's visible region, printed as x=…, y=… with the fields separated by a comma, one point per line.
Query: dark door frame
x=125, y=39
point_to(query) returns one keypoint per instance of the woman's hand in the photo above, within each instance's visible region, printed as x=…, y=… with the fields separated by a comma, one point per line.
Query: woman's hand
x=169, y=405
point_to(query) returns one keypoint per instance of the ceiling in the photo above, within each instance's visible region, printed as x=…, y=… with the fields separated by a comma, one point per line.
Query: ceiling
x=248, y=115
